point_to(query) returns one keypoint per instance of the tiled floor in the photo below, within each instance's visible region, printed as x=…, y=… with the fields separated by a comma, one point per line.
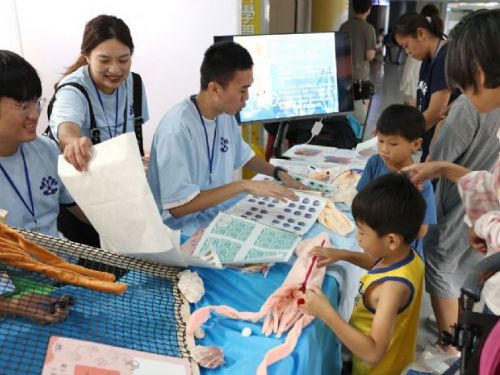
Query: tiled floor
x=386, y=78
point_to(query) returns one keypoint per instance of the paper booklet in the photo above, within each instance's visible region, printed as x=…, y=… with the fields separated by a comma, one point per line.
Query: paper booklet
x=67, y=356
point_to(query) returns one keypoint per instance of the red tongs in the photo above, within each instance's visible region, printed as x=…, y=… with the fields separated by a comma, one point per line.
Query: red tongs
x=308, y=275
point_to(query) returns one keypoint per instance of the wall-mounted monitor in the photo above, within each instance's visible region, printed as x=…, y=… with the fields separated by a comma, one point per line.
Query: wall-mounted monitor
x=297, y=76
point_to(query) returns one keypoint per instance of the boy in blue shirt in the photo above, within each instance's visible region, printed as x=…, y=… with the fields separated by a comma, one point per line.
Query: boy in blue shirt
x=400, y=129
x=30, y=188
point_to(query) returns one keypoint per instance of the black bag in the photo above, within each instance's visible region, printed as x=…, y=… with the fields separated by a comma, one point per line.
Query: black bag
x=69, y=225
x=363, y=90
x=336, y=132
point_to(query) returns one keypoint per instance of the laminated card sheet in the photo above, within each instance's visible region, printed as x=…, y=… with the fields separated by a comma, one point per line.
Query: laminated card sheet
x=236, y=240
x=67, y=356
x=295, y=217
x=322, y=187
x=322, y=156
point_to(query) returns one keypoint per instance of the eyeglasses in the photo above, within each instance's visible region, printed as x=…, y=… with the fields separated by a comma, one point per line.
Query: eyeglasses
x=26, y=107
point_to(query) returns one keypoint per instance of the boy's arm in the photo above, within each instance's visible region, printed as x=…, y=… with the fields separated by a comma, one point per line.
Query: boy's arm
x=327, y=255
x=371, y=347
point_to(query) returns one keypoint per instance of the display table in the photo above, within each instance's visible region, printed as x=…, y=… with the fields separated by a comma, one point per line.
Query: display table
x=317, y=351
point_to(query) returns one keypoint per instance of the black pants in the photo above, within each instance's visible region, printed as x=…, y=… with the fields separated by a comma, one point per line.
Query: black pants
x=75, y=230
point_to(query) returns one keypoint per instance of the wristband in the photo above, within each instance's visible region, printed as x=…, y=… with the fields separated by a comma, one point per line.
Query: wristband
x=276, y=171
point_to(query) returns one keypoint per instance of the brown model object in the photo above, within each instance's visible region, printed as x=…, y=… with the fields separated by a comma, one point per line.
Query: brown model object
x=17, y=251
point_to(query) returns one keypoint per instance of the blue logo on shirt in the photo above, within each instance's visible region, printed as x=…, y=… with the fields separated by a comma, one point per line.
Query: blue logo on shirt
x=224, y=142
x=131, y=109
x=48, y=185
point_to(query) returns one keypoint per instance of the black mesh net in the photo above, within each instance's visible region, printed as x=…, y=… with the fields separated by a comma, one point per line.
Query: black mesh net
x=147, y=317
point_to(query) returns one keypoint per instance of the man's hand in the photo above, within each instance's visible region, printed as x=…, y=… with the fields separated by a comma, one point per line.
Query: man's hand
x=291, y=182
x=270, y=189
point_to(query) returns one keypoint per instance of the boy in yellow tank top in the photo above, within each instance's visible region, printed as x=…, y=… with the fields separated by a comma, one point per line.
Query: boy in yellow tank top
x=382, y=331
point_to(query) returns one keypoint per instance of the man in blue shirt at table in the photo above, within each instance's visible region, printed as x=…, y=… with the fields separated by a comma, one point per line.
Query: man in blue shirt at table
x=198, y=145
x=400, y=129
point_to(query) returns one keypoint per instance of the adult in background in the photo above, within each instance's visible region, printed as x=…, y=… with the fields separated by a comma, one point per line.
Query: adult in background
x=364, y=47
x=473, y=67
x=411, y=69
x=422, y=38
x=467, y=138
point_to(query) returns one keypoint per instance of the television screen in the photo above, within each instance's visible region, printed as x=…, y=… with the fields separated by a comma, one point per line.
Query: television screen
x=297, y=76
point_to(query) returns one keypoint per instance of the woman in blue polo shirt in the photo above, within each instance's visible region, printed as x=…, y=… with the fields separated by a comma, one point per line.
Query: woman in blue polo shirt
x=100, y=86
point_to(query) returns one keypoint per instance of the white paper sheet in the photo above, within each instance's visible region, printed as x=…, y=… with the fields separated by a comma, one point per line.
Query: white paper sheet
x=117, y=200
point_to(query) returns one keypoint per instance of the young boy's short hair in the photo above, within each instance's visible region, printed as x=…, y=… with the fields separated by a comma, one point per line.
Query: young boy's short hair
x=403, y=120
x=221, y=61
x=390, y=204
x=18, y=79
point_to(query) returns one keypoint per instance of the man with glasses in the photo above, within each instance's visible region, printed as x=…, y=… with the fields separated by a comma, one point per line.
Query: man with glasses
x=30, y=188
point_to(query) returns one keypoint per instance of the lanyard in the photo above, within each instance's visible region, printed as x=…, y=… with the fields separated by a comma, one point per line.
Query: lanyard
x=435, y=52
x=116, y=110
x=210, y=156
x=31, y=209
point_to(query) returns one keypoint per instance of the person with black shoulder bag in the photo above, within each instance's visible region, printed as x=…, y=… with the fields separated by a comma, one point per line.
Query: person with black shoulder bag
x=98, y=99
x=363, y=48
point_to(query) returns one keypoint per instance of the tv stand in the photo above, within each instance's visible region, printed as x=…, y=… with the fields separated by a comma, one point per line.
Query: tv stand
x=282, y=130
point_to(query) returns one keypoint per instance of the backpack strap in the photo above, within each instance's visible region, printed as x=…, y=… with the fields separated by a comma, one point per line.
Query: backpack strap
x=95, y=133
x=138, y=120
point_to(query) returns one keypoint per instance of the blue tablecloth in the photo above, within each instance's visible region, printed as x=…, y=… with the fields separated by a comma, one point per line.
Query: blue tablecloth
x=317, y=351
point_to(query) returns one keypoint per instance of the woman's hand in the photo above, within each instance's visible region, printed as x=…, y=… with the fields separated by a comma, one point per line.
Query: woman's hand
x=78, y=153
x=477, y=242
x=420, y=172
